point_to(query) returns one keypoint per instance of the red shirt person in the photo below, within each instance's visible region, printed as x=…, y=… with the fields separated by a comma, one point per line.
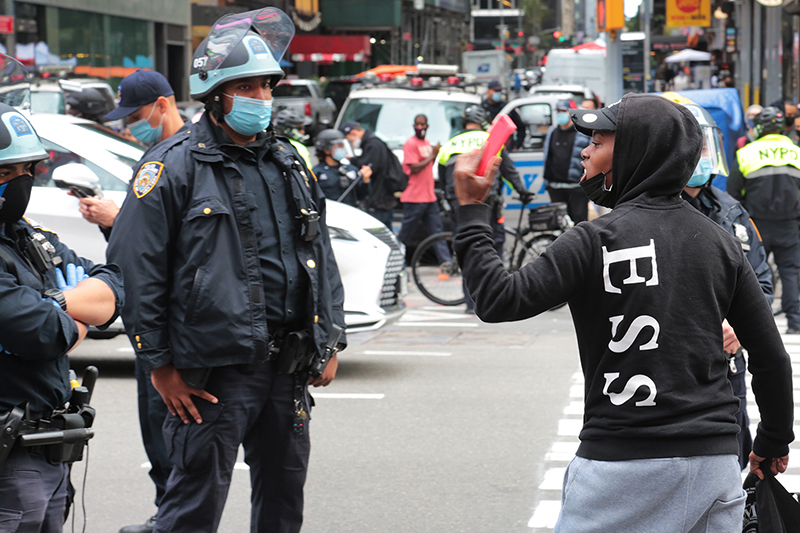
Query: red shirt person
x=420, y=208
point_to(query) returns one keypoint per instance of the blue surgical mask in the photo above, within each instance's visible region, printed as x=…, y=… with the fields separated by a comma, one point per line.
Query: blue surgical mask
x=702, y=173
x=562, y=119
x=144, y=132
x=339, y=154
x=497, y=97
x=751, y=123
x=249, y=116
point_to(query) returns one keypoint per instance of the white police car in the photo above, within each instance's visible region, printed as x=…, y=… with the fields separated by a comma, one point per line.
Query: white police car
x=370, y=258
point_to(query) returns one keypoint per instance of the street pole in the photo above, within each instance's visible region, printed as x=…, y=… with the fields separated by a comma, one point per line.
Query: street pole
x=11, y=38
x=773, y=73
x=613, y=67
x=744, y=74
x=756, y=51
x=647, y=10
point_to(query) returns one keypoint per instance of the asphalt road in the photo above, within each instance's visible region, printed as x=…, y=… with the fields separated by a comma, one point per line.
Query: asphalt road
x=439, y=423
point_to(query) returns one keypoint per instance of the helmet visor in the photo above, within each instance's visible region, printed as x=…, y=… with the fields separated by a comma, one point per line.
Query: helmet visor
x=714, y=148
x=274, y=26
x=15, y=89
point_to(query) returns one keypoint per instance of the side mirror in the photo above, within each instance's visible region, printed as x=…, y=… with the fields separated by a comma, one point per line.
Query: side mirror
x=79, y=179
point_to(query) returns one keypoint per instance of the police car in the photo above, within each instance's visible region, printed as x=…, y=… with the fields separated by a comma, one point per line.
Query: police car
x=370, y=258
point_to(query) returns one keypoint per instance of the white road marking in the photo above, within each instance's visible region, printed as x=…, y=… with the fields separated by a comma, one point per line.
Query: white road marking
x=347, y=396
x=545, y=515
x=125, y=349
x=437, y=324
x=384, y=352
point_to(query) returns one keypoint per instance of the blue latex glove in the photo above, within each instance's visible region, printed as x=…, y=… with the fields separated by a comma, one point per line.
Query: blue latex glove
x=74, y=276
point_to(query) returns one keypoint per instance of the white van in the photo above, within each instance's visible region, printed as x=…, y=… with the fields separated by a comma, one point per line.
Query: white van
x=577, y=67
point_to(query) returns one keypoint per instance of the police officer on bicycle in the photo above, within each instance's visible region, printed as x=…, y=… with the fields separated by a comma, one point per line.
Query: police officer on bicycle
x=475, y=123
x=235, y=296
x=337, y=176
x=48, y=298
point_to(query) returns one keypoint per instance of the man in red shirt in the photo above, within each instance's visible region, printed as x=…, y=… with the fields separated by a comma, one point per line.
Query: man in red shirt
x=420, y=208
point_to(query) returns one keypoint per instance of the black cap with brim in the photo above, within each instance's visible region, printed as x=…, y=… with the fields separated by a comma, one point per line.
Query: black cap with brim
x=588, y=120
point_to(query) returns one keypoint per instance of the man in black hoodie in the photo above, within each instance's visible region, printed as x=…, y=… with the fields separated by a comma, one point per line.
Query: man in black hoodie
x=649, y=286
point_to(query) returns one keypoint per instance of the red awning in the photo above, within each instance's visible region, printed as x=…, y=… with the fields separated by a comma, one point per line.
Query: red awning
x=330, y=48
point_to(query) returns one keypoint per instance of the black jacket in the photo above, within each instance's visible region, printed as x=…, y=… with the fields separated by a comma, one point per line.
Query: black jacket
x=189, y=250
x=34, y=334
x=494, y=108
x=648, y=285
x=376, y=154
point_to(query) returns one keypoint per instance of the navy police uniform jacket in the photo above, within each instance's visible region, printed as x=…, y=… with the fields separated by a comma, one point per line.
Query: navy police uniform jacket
x=186, y=237
x=35, y=335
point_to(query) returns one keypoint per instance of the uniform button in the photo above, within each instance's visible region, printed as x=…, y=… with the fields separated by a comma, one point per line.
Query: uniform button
x=273, y=190
x=289, y=311
x=316, y=319
x=139, y=345
x=137, y=338
x=311, y=263
x=207, y=210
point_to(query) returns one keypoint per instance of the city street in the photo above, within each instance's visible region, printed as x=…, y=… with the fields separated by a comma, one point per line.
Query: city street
x=439, y=423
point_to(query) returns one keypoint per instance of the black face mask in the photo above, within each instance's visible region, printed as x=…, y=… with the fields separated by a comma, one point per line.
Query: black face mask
x=595, y=189
x=15, y=198
x=420, y=132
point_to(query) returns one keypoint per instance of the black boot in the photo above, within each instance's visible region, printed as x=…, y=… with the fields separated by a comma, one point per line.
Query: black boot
x=147, y=527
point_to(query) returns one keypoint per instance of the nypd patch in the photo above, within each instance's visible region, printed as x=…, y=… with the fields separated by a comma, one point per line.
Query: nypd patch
x=146, y=178
x=20, y=126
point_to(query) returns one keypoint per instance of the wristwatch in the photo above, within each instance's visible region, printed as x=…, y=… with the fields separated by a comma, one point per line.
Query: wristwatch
x=58, y=296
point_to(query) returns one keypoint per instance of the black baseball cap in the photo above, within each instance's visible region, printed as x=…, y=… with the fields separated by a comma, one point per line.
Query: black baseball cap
x=347, y=127
x=139, y=89
x=588, y=120
x=495, y=85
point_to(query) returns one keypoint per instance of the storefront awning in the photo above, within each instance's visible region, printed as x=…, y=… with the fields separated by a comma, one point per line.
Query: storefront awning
x=330, y=48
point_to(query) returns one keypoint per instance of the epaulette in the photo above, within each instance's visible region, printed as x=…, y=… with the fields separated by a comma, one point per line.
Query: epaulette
x=158, y=151
x=35, y=225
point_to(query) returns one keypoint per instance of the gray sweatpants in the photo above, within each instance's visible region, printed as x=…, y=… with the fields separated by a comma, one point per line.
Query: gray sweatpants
x=679, y=494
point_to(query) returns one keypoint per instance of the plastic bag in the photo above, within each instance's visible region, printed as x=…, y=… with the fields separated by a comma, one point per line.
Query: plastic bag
x=769, y=508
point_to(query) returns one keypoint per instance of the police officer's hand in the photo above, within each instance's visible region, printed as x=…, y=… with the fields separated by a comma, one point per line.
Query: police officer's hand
x=100, y=211
x=777, y=465
x=471, y=188
x=527, y=197
x=730, y=343
x=177, y=394
x=366, y=173
x=75, y=274
x=327, y=376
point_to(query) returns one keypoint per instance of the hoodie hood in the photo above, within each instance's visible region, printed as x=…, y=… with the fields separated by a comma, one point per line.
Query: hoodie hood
x=657, y=146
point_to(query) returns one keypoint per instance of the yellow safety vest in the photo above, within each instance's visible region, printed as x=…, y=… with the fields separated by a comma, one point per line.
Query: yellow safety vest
x=772, y=150
x=461, y=144
x=303, y=151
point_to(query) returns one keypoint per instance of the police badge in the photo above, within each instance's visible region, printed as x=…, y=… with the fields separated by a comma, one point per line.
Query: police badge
x=146, y=178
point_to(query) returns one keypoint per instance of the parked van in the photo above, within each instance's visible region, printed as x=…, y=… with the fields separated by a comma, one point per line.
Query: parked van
x=577, y=67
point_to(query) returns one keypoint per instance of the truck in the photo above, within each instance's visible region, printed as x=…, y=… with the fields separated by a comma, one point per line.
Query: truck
x=487, y=65
x=578, y=67
x=306, y=98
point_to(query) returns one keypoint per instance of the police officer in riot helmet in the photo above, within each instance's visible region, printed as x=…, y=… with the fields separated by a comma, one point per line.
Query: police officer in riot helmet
x=766, y=179
x=236, y=306
x=89, y=103
x=48, y=298
x=292, y=126
x=335, y=174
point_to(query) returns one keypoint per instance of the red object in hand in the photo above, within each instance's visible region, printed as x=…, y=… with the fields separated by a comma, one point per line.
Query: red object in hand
x=501, y=130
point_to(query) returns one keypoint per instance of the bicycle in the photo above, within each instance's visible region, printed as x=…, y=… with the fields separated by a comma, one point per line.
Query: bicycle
x=545, y=224
x=443, y=284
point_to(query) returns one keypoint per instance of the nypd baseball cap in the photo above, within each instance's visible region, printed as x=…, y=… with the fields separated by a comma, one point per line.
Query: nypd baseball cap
x=588, y=120
x=347, y=127
x=139, y=89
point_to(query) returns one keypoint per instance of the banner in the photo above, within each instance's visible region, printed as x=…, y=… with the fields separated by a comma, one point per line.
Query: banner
x=688, y=13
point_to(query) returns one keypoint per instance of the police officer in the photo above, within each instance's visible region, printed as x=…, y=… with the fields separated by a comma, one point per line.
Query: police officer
x=88, y=103
x=293, y=127
x=46, y=306
x=767, y=181
x=147, y=101
x=494, y=102
x=731, y=216
x=233, y=286
x=475, y=122
x=334, y=174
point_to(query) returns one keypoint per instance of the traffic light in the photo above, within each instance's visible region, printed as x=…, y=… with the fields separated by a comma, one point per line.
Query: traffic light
x=520, y=34
x=557, y=35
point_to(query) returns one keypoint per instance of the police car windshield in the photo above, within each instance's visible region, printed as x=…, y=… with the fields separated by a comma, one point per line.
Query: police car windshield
x=126, y=151
x=392, y=119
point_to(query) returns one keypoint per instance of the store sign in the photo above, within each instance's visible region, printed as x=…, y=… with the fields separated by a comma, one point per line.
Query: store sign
x=688, y=13
x=6, y=24
x=306, y=14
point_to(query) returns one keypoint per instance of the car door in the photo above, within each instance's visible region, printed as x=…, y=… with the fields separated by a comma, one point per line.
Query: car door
x=528, y=159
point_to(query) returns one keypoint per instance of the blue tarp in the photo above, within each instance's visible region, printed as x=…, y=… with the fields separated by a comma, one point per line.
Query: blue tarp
x=725, y=108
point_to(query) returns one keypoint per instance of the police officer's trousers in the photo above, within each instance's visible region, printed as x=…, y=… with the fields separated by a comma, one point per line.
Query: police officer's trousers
x=782, y=238
x=33, y=493
x=257, y=411
x=152, y=413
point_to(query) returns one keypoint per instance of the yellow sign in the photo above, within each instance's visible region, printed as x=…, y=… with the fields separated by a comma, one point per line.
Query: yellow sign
x=688, y=13
x=610, y=15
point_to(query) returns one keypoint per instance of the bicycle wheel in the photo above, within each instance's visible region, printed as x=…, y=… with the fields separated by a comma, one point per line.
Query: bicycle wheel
x=531, y=249
x=441, y=284
x=510, y=247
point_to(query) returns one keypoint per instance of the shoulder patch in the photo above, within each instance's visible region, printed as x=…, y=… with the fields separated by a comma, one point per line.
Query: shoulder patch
x=147, y=177
x=40, y=227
